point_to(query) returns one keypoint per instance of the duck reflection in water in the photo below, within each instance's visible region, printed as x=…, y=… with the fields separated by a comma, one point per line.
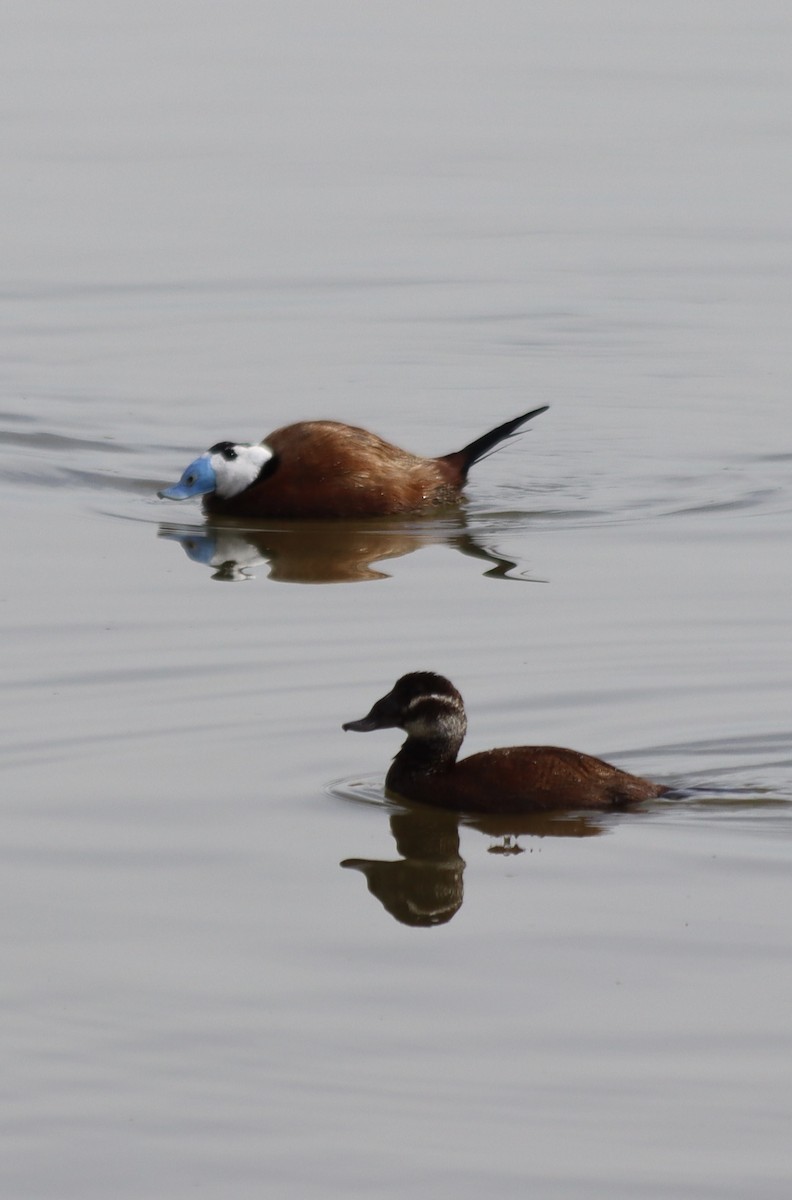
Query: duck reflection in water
x=424, y=887
x=324, y=551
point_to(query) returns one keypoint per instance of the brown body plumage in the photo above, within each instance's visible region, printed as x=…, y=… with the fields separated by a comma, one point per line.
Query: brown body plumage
x=326, y=468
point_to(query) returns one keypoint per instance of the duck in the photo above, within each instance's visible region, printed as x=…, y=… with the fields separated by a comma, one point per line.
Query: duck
x=329, y=469
x=510, y=779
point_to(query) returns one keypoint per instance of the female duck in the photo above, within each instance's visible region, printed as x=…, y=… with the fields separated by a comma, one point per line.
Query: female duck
x=514, y=779
x=326, y=469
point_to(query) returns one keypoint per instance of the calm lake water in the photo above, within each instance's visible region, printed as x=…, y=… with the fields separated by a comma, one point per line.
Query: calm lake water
x=230, y=967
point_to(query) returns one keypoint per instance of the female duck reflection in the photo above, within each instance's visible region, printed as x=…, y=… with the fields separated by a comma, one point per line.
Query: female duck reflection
x=324, y=551
x=425, y=885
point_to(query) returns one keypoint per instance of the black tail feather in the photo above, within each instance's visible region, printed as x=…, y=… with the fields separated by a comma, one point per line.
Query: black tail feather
x=488, y=441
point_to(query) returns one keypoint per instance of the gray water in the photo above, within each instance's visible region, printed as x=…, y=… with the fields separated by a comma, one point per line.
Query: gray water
x=230, y=967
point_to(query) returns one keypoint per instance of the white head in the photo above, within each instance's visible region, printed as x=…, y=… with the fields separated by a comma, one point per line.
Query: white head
x=227, y=469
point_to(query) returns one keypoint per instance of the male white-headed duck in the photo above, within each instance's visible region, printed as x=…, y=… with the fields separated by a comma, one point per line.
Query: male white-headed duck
x=328, y=469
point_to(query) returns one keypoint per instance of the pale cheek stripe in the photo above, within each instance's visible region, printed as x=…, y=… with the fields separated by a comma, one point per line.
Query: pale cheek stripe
x=449, y=701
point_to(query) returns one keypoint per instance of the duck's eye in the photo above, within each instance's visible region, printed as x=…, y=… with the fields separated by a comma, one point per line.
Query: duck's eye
x=229, y=453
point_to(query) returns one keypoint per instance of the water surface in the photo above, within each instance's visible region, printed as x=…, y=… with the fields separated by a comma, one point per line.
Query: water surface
x=230, y=966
